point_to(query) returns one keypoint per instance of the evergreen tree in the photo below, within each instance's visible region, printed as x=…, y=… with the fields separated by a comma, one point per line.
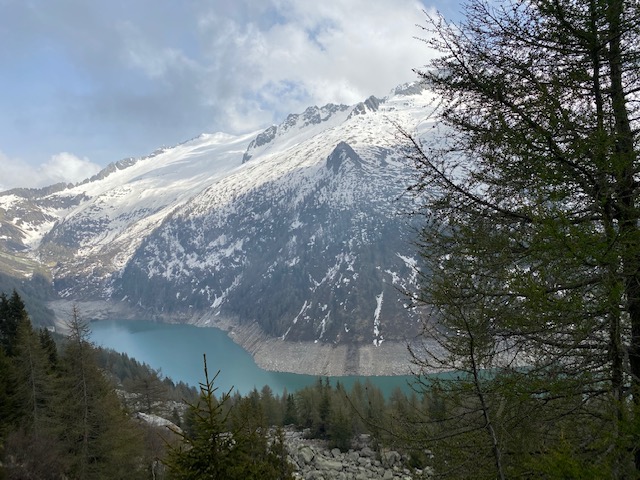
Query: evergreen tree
x=204, y=451
x=308, y=408
x=254, y=454
x=290, y=413
x=8, y=408
x=30, y=456
x=99, y=440
x=357, y=398
x=27, y=387
x=339, y=428
x=49, y=345
x=227, y=442
x=532, y=238
x=270, y=406
x=34, y=378
x=324, y=407
x=12, y=313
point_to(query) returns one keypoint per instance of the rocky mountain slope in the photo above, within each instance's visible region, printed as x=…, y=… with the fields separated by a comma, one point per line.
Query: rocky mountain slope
x=298, y=229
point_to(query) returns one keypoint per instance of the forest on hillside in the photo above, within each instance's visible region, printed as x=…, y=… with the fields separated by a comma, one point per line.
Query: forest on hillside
x=69, y=409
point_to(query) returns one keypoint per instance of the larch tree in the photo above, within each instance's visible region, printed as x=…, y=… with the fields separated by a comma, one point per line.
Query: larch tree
x=149, y=390
x=529, y=188
x=98, y=439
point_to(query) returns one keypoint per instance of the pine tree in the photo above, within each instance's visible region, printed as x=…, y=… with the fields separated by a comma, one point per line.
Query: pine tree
x=49, y=345
x=227, y=441
x=290, y=412
x=12, y=313
x=8, y=408
x=205, y=447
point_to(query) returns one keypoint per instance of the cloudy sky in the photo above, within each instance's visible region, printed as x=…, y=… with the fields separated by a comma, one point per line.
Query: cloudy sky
x=85, y=83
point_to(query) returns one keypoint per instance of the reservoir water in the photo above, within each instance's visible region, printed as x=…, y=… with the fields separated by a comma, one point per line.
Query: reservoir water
x=177, y=350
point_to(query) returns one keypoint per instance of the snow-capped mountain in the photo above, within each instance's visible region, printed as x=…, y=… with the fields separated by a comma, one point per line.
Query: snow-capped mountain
x=298, y=227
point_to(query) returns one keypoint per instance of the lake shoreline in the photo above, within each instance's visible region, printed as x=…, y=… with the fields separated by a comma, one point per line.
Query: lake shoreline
x=269, y=353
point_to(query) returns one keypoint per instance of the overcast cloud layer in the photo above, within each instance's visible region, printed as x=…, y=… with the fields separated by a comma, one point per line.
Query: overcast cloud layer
x=86, y=83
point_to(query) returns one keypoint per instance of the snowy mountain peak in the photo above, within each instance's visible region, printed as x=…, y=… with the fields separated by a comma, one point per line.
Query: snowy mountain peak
x=295, y=128
x=296, y=228
x=371, y=104
x=410, y=89
x=340, y=155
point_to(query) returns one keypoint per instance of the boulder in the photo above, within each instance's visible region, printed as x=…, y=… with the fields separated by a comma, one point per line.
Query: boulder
x=323, y=463
x=315, y=475
x=352, y=457
x=390, y=458
x=367, y=452
x=305, y=455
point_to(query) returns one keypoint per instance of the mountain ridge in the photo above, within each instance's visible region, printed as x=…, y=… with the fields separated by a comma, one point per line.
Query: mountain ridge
x=297, y=228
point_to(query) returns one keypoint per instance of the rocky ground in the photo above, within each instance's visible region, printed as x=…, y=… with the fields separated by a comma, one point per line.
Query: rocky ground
x=275, y=354
x=312, y=460
x=320, y=358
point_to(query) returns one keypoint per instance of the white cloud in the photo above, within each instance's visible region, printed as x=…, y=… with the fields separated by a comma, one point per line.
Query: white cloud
x=62, y=167
x=317, y=52
x=119, y=79
x=155, y=61
x=66, y=167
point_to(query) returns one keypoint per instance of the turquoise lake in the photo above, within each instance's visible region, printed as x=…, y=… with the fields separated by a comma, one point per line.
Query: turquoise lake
x=177, y=350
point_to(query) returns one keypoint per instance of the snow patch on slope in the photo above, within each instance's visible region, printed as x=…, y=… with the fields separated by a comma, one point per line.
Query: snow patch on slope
x=378, y=338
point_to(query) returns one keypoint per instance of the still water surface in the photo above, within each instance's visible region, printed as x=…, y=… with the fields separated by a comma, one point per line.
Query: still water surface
x=177, y=351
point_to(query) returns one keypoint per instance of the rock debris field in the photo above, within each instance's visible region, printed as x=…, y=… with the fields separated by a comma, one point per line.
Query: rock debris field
x=313, y=460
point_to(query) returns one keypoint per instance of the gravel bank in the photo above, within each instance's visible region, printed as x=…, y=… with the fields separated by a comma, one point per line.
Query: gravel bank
x=311, y=358
x=269, y=353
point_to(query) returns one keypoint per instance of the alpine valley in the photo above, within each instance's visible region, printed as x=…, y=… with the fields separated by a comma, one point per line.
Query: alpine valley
x=293, y=239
